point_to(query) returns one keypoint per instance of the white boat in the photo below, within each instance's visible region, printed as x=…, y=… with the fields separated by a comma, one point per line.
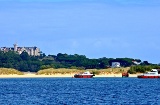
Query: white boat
x=86, y=74
x=152, y=74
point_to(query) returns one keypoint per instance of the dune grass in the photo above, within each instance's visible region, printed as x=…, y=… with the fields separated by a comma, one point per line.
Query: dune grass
x=113, y=70
x=9, y=71
x=52, y=71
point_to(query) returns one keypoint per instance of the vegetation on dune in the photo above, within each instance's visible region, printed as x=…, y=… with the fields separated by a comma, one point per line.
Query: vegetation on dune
x=52, y=71
x=7, y=71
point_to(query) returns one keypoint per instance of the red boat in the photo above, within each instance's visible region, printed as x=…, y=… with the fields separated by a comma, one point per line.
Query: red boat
x=152, y=74
x=86, y=74
x=125, y=74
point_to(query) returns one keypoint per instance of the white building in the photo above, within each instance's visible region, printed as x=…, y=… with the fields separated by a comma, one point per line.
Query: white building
x=137, y=63
x=115, y=64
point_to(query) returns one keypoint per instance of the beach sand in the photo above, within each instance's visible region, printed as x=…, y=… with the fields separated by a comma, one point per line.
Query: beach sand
x=33, y=75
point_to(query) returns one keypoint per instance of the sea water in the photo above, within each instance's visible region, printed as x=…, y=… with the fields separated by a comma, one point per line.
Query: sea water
x=74, y=91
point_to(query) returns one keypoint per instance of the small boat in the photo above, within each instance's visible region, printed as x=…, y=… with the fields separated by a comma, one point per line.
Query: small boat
x=86, y=74
x=125, y=74
x=152, y=74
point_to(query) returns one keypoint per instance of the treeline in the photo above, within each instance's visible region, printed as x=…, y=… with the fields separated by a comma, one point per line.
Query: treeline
x=24, y=62
x=82, y=62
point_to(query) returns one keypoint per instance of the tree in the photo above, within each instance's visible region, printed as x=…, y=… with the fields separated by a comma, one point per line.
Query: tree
x=24, y=55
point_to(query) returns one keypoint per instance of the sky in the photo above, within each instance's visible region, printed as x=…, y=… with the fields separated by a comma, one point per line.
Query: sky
x=94, y=28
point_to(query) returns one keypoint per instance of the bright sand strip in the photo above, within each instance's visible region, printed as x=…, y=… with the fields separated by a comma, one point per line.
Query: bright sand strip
x=33, y=75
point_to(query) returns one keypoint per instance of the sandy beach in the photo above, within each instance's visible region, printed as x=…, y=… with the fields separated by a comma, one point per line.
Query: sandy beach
x=33, y=75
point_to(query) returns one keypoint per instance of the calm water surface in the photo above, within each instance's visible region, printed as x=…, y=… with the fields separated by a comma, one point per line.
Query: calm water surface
x=73, y=91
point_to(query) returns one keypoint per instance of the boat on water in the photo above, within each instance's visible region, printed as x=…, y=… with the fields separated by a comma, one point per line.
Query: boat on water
x=125, y=74
x=86, y=74
x=154, y=73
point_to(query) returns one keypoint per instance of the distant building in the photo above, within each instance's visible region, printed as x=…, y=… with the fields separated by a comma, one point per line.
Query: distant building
x=136, y=63
x=32, y=51
x=115, y=64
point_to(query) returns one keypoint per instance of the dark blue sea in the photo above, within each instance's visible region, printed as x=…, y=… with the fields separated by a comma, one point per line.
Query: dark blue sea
x=73, y=91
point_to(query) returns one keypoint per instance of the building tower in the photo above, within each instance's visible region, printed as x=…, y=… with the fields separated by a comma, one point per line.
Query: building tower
x=15, y=46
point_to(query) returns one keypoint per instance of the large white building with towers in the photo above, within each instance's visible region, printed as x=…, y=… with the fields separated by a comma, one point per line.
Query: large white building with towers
x=32, y=51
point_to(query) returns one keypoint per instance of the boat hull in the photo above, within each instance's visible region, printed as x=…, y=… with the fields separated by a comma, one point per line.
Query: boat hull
x=83, y=76
x=143, y=76
x=154, y=73
x=125, y=75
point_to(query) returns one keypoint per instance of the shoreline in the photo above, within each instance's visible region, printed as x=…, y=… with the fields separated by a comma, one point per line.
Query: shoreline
x=32, y=75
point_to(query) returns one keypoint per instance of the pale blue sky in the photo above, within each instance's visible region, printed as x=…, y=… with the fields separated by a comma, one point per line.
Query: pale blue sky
x=95, y=28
